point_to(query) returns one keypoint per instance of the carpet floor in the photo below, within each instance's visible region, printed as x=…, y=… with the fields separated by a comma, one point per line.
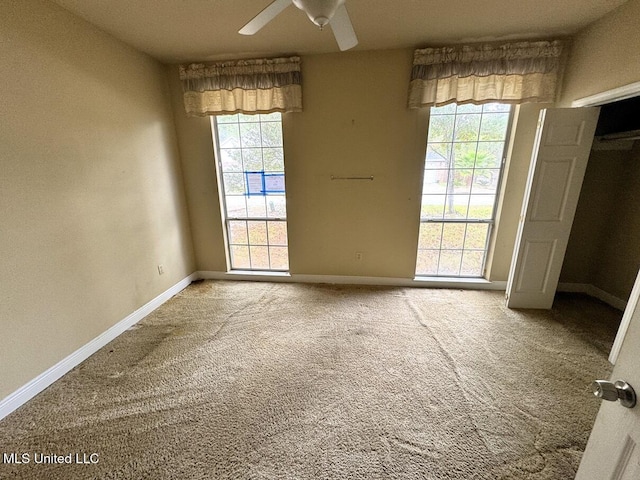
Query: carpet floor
x=248, y=380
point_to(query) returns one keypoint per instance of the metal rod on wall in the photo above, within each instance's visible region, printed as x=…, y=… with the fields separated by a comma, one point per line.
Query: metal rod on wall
x=333, y=177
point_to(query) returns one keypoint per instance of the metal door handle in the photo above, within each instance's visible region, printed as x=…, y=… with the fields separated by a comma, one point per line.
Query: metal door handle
x=615, y=391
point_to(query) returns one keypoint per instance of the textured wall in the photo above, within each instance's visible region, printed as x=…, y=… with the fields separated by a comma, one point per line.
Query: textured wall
x=605, y=55
x=355, y=123
x=91, y=195
x=603, y=247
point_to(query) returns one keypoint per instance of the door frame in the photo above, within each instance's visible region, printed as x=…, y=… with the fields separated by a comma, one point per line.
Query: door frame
x=614, y=95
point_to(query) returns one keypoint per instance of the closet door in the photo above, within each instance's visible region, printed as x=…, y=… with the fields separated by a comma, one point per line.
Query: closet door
x=558, y=164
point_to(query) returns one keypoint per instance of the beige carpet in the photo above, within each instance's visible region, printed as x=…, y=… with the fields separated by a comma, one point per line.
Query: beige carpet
x=283, y=381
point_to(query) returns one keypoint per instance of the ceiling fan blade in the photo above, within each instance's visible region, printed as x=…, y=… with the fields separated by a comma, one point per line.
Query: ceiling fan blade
x=264, y=17
x=343, y=30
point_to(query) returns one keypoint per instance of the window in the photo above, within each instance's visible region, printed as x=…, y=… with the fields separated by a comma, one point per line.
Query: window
x=251, y=170
x=463, y=169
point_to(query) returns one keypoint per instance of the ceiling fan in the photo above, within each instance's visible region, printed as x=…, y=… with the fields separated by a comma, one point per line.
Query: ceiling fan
x=321, y=12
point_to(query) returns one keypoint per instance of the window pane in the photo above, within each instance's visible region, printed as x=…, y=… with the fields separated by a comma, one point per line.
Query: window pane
x=259, y=257
x=256, y=206
x=494, y=126
x=279, y=257
x=271, y=134
x=435, y=181
x=270, y=117
x=450, y=262
x=273, y=159
x=227, y=119
x=427, y=262
x=236, y=206
x=231, y=159
x=453, y=235
x=441, y=128
x=485, y=180
x=457, y=206
x=432, y=206
x=233, y=183
x=430, y=235
x=476, y=236
x=276, y=206
x=438, y=155
x=467, y=128
x=239, y=256
x=277, y=233
x=496, y=107
x=250, y=134
x=481, y=207
x=252, y=158
x=465, y=154
x=238, y=232
x=446, y=109
x=472, y=263
x=229, y=135
x=242, y=118
x=469, y=108
x=489, y=155
x=257, y=232
x=462, y=180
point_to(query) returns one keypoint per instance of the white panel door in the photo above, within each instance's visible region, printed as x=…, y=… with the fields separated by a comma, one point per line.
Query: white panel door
x=559, y=160
x=613, y=451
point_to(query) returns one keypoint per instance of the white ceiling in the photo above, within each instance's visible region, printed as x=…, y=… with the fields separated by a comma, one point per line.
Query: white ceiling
x=176, y=31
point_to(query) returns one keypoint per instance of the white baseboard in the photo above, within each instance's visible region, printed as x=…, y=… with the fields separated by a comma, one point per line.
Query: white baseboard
x=595, y=292
x=42, y=381
x=426, y=282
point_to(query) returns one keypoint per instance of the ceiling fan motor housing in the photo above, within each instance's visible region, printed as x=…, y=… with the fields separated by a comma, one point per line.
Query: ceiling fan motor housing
x=319, y=12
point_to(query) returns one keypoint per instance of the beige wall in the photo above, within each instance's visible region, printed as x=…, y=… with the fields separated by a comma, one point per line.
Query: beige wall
x=198, y=167
x=604, y=244
x=91, y=197
x=605, y=55
x=603, y=248
x=592, y=224
x=617, y=262
x=355, y=123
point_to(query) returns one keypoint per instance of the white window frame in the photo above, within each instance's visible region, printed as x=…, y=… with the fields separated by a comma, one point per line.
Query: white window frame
x=490, y=222
x=229, y=219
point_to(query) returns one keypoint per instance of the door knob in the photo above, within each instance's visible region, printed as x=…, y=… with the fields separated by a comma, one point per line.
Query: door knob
x=615, y=391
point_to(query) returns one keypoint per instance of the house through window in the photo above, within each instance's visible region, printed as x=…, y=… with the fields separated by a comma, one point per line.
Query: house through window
x=463, y=169
x=251, y=170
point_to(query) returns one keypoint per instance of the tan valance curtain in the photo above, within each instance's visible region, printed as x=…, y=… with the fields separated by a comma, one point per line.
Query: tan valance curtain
x=242, y=86
x=514, y=73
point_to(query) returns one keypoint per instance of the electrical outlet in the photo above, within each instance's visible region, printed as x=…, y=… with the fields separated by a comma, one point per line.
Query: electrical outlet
x=358, y=256
x=160, y=269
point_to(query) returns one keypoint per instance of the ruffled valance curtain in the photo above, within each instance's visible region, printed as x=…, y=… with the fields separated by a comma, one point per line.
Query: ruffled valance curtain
x=509, y=73
x=242, y=86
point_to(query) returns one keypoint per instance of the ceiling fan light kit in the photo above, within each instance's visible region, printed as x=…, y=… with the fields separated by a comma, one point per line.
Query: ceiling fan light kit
x=320, y=12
